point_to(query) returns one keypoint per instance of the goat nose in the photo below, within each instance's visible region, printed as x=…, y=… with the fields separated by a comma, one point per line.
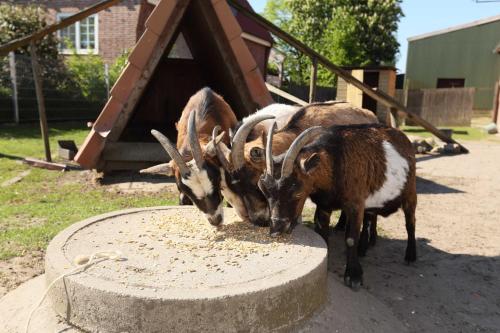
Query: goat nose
x=215, y=220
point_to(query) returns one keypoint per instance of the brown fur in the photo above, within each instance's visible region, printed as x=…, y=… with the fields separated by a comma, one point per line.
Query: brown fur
x=324, y=114
x=340, y=170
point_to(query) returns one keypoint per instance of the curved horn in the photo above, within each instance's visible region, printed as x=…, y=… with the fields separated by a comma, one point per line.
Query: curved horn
x=220, y=155
x=194, y=143
x=295, y=148
x=269, y=150
x=172, y=152
x=240, y=138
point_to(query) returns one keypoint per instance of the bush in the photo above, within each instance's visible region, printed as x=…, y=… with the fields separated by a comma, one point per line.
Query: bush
x=88, y=74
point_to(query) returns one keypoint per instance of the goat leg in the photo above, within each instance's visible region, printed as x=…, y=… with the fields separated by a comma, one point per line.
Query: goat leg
x=353, y=276
x=341, y=224
x=322, y=222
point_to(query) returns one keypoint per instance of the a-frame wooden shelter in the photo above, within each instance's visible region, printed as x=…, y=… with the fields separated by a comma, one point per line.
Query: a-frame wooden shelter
x=187, y=44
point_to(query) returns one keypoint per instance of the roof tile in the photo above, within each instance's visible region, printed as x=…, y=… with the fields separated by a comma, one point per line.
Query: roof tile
x=89, y=153
x=159, y=17
x=126, y=83
x=243, y=56
x=144, y=49
x=227, y=19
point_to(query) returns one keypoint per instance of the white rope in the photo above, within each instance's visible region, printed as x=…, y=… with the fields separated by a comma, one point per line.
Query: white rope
x=83, y=262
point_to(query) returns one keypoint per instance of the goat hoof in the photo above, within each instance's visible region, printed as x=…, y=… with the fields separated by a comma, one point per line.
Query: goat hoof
x=356, y=285
x=353, y=283
x=410, y=256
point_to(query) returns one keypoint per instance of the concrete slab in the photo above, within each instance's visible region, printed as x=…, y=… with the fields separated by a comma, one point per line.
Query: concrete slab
x=345, y=311
x=182, y=275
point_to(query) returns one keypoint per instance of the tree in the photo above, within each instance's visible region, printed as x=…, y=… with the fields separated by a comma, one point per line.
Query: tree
x=348, y=32
x=19, y=21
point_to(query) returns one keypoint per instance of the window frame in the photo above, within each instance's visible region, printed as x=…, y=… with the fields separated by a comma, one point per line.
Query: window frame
x=95, y=50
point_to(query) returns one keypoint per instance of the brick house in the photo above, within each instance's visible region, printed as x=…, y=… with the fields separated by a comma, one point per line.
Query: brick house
x=114, y=31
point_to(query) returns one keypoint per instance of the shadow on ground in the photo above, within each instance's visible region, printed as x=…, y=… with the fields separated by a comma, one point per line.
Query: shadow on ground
x=426, y=186
x=441, y=292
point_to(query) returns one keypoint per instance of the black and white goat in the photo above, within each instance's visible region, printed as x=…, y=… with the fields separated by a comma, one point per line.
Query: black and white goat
x=363, y=168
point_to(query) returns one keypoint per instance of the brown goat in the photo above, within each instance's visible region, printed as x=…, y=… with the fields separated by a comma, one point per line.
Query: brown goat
x=248, y=160
x=193, y=163
x=359, y=169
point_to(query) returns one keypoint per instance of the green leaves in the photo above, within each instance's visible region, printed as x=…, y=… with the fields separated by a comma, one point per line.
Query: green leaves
x=349, y=32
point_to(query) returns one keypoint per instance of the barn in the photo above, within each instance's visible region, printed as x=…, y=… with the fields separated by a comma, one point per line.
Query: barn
x=463, y=56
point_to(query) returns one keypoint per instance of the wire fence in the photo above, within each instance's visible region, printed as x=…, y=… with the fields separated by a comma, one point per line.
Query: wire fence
x=73, y=89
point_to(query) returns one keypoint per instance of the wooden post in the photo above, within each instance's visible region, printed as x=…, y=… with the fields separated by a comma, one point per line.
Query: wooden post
x=40, y=99
x=496, y=103
x=314, y=77
x=13, y=79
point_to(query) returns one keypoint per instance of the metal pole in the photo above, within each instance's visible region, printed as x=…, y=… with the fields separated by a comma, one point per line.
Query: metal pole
x=314, y=77
x=106, y=78
x=41, y=102
x=13, y=79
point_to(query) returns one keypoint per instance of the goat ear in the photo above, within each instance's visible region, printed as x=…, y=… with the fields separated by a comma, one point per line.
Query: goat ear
x=160, y=169
x=307, y=165
x=257, y=154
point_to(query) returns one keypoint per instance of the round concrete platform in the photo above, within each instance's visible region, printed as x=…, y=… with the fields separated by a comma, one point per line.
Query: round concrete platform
x=181, y=274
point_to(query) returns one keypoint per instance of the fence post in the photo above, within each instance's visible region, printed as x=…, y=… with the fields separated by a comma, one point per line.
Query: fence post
x=314, y=77
x=106, y=78
x=13, y=79
x=40, y=99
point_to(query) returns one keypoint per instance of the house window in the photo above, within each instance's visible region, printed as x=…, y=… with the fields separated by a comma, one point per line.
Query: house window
x=81, y=37
x=450, y=83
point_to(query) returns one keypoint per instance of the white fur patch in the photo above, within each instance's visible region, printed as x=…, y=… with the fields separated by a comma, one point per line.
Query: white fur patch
x=232, y=197
x=350, y=242
x=282, y=112
x=396, y=173
x=198, y=182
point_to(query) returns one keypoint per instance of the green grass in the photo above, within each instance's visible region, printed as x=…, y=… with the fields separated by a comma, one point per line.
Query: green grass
x=35, y=209
x=459, y=133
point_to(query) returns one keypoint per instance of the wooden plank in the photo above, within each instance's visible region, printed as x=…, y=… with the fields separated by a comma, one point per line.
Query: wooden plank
x=24, y=41
x=286, y=95
x=13, y=80
x=148, y=71
x=44, y=164
x=40, y=100
x=376, y=94
x=314, y=78
x=134, y=152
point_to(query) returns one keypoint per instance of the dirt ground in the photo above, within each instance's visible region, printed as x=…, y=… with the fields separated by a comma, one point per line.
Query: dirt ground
x=455, y=284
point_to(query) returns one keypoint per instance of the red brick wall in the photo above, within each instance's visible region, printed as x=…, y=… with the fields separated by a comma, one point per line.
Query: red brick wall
x=117, y=25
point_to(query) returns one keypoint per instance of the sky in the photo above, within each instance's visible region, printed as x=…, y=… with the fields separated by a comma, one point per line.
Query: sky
x=423, y=16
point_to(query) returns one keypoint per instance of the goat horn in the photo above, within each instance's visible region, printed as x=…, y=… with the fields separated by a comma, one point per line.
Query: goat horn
x=297, y=145
x=194, y=143
x=269, y=150
x=240, y=138
x=172, y=152
x=220, y=155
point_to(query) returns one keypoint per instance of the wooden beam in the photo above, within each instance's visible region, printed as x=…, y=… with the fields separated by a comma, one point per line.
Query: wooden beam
x=313, y=79
x=285, y=95
x=37, y=78
x=24, y=41
x=378, y=95
x=134, y=152
x=44, y=164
